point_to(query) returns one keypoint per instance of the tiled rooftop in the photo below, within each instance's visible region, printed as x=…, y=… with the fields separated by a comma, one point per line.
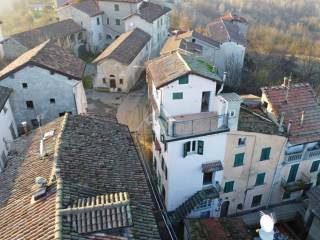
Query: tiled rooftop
x=34, y=37
x=176, y=43
x=151, y=11
x=301, y=98
x=255, y=120
x=96, y=185
x=89, y=7
x=49, y=56
x=126, y=47
x=167, y=68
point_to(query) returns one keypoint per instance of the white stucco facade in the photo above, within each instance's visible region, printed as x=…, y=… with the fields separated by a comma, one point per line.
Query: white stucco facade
x=8, y=132
x=158, y=29
x=51, y=95
x=114, y=13
x=180, y=174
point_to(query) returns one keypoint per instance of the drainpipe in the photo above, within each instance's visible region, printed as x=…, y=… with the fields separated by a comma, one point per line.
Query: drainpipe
x=223, y=82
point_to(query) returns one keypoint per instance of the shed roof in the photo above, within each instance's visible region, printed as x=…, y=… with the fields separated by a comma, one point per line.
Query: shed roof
x=126, y=47
x=49, y=56
x=201, y=37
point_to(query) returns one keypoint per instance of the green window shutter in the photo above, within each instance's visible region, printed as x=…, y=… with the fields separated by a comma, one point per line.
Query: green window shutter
x=293, y=173
x=177, y=95
x=185, y=148
x=286, y=195
x=315, y=166
x=238, y=159
x=117, y=21
x=228, y=187
x=265, y=154
x=116, y=7
x=260, y=179
x=184, y=80
x=200, y=147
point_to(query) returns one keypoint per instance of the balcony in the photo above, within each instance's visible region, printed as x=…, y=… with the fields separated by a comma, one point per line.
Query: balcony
x=305, y=155
x=193, y=124
x=301, y=183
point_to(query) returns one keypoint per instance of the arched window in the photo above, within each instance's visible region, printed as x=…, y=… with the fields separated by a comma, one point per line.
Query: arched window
x=112, y=76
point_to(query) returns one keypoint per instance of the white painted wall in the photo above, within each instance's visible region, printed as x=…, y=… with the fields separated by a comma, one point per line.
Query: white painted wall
x=158, y=29
x=6, y=119
x=125, y=9
x=192, y=96
x=185, y=175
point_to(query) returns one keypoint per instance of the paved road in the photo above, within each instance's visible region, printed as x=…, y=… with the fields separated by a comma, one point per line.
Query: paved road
x=128, y=108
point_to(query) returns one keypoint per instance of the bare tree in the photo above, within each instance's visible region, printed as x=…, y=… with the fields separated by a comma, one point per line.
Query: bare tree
x=234, y=69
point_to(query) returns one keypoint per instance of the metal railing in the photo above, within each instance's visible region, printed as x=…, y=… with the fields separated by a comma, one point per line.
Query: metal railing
x=305, y=155
x=200, y=125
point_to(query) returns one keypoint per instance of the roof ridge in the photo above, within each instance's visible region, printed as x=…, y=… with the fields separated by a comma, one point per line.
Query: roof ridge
x=184, y=61
x=56, y=175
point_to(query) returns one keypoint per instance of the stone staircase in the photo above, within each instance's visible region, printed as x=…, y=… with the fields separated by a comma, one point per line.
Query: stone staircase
x=183, y=210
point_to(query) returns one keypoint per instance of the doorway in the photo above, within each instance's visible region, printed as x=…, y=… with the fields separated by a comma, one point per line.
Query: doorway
x=112, y=83
x=205, y=101
x=224, y=209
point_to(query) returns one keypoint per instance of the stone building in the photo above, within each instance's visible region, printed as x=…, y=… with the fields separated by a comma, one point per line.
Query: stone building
x=46, y=83
x=120, y=65
x=67, y=34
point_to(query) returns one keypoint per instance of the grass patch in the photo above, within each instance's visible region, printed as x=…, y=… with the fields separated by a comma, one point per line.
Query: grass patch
x=101, y=89
x=87, y=82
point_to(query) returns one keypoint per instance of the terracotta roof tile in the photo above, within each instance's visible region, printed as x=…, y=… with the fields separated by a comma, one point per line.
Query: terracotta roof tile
x=49, y=56
x=53, y=31
x=126, y=47
x=301, y=97
x=167, y=68
x=89, y=7
x=150, y=11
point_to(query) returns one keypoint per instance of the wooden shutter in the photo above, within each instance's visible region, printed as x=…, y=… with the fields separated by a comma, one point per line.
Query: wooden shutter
x=185, y=149
x=265, y=154
x=200, y=147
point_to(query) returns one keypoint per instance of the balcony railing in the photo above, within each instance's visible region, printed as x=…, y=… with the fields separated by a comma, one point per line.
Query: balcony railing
x=306, y=155
x=302, y=183
x=193, y=124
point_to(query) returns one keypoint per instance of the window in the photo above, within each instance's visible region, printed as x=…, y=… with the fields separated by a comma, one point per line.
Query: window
x=260, y=179
x=177, y=95
x=286, y=195
x=24, y=85
x=52, y=100
x=162, y=138
x=155, y=163
x=116, y=7
x=228, y=187
x=104, y=80
x=98, y=21
x=193, y=147
x=108, y=21
x=265, y=154
x=207, y=178
x=193, y=40
x=293, y=173
x=242, y=141
x=315, y=166
x=34, y=123
x=184, y=80
x=121, y=81
x=29, y=104
x=118, y=21
x=256, y=200
x=238, y=159
x=13, y=133
x=162, y=163
x=166, y=171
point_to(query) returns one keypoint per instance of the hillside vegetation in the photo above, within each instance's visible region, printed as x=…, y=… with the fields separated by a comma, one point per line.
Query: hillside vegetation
x=284, y=36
